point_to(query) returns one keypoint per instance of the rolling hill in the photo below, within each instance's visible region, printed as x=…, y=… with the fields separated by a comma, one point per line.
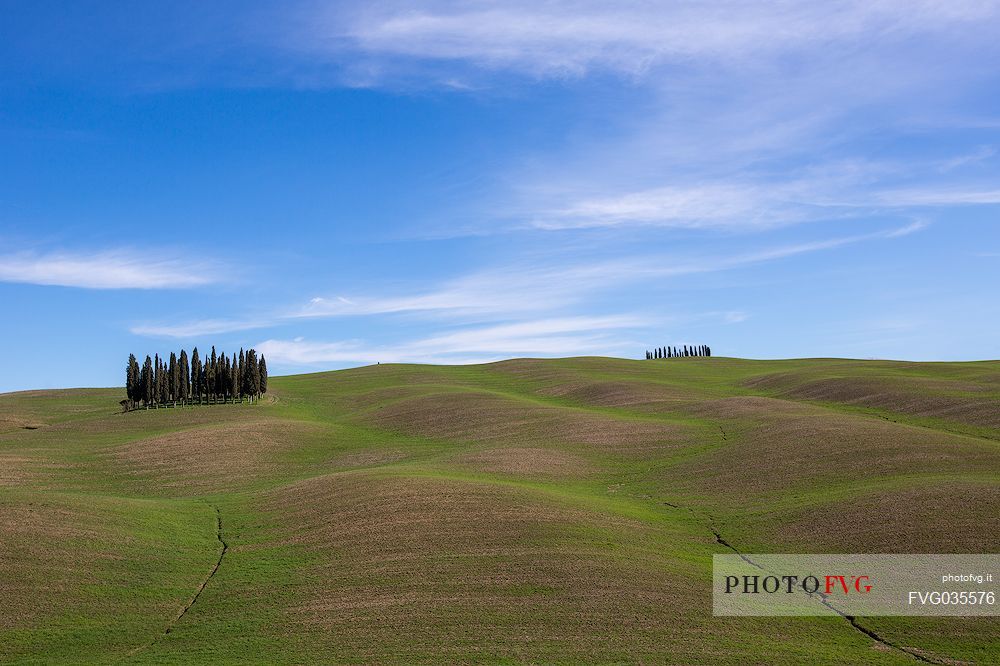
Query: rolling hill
x=524, y=511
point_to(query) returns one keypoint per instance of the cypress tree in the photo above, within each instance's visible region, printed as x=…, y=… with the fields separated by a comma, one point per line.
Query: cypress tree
x=195, y=375
x=223, y=377
x=262, y=371
x=185, y=377
x=175, y=378
x=241, y=373
x=210, y=380
x=234, y=378
x=164, y=383
x=229, y=376
x=147, y=381
x=253, y=374
x=157, y=379
x=132, y=373
x=212, y=370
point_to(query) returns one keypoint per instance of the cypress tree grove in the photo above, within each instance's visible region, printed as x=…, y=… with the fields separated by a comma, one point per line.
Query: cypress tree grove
x=670, y=351
x=220, y=378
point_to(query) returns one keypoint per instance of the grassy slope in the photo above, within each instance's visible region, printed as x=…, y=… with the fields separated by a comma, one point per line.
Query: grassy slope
x=509, y=512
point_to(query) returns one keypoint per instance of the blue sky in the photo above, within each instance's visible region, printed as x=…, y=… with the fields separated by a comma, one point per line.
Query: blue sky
x=337, y=184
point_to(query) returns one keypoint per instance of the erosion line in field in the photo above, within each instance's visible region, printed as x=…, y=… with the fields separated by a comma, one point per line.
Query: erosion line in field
x=201, y=588
x=204, y=584
x=851, y=619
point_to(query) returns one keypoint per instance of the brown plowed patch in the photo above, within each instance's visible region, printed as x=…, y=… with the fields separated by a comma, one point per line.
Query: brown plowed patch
x=617, y=394
x=826, y=448
x=16, y=469
x=17, y=422
x=751, y=407
x=528, y=461
x=964, y=402
x=487, y=418
x=36, y=471
x=365, y=458
x=420, y=566
x=214, y=458
x=939, y=517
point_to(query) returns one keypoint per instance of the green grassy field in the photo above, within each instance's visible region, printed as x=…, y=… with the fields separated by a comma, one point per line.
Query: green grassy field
x=524, y=511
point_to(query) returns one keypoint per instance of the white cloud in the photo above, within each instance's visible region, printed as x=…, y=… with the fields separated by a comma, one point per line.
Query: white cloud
x=980, y=154
x=830, y=191
x=518, y=291
x=725, y=103
x=197, y=328
x=118, y=269
x=698, y=206
x=744, y=206
x=543, y=337
x=931, y=196
x=560, y=38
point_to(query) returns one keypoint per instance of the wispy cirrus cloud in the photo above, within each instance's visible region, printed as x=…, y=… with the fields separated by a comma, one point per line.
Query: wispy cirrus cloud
x=193, y=329
x=541, y=337
x=937, y=196
x=846, y=189
x=572, y=38
x=722, y=126
x=503, y=293
x=110, y=269
x=977, y=156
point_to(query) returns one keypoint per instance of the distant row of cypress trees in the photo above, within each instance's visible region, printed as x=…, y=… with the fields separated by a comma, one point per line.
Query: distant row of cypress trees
x=670, y=352
x=162, y=383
